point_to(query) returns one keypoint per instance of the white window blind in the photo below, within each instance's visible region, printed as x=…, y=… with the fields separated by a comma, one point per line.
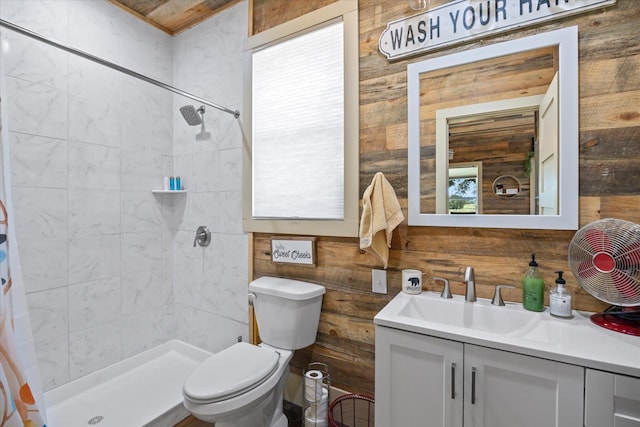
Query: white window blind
x=298, y=126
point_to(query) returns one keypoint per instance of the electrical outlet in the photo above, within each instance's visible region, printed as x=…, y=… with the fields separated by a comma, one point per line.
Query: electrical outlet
x=379, y=281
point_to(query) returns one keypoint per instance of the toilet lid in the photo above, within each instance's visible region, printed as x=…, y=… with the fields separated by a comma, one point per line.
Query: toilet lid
x=230, y=372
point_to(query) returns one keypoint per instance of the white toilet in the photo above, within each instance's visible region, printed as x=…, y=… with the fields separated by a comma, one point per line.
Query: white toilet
x=243, y=385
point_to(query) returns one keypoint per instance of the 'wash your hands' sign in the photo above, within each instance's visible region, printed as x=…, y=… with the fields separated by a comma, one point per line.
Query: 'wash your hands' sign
x=463, y=20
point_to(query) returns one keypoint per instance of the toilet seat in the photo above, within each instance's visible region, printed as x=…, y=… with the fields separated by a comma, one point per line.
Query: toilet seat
x=230, y=373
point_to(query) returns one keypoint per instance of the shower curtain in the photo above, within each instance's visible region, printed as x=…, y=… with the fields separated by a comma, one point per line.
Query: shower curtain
x=18, y=407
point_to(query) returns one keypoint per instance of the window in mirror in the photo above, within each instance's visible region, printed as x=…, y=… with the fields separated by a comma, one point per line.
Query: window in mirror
x=464, y=194
x=301, y=160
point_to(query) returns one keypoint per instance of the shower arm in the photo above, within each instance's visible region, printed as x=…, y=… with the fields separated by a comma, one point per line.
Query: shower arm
x=51, y=42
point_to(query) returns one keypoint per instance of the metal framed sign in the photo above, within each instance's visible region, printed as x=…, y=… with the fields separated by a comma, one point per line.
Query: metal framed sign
x=294, y=250
x=464, y=20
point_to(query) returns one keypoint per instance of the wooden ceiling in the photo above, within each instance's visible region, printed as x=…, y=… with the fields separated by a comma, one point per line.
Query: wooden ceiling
x=174, y=16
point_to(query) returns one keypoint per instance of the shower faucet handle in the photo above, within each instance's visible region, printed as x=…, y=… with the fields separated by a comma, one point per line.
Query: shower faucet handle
x=203, y=236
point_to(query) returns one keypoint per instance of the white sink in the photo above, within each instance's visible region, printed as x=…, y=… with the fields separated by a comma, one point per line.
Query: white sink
x=511, y=319
x=512, y=328
x=479, y=315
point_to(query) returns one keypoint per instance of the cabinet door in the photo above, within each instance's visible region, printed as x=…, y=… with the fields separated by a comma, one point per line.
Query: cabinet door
x=504, y=389
x=418, y=380
x=611, y=400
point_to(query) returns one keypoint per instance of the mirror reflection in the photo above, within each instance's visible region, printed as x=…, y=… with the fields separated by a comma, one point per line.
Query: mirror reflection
x=504, y=135
x=500, y=130
x=486, y=139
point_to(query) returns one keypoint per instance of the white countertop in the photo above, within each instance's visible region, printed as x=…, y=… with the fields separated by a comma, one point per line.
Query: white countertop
x=576, y=341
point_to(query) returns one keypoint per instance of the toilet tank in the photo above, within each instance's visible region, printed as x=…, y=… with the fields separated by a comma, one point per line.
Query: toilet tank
x=287, y=311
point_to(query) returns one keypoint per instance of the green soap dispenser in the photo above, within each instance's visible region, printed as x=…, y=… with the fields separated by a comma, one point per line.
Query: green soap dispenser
x=533, y=287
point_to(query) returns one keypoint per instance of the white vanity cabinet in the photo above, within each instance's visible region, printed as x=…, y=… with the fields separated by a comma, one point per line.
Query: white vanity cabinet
x=418, y=380
x=509, y=389
x=433, y=382
x=611, y=400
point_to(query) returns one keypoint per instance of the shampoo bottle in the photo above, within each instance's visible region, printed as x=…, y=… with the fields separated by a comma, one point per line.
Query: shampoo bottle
x=533, y=287
x=560, y=298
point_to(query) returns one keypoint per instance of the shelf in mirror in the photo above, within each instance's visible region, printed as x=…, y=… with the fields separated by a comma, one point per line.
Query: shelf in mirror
x=506, y=186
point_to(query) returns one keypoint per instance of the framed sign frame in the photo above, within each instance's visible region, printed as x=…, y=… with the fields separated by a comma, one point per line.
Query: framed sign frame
x=294, y=250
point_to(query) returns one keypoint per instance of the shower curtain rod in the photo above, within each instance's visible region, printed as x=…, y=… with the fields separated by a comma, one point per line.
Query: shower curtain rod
x=36, y=36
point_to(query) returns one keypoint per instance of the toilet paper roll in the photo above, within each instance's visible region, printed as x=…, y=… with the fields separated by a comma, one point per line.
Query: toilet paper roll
x=310, y=421
x=313, y=385
x=320, y=408
x=318, y=413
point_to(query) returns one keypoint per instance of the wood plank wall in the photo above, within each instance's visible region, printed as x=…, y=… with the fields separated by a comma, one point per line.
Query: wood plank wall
x=609, y=55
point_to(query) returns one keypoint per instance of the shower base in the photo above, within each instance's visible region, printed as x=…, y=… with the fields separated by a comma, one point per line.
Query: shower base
x=142, y=391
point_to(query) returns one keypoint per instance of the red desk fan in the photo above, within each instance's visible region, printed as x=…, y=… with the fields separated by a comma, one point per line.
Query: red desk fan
x=605, y=259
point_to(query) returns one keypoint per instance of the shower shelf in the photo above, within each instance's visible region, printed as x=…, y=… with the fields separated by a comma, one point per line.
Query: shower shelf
x=168, y=191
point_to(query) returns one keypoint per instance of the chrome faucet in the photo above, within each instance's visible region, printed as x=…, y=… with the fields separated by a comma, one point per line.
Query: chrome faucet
x=446, y=292
x=497, y=295
x=470, y=280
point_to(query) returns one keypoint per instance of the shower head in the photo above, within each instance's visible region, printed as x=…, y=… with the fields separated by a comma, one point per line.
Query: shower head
x=191, y=115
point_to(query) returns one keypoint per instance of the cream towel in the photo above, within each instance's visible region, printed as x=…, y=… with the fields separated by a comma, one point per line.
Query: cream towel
x=381, y=214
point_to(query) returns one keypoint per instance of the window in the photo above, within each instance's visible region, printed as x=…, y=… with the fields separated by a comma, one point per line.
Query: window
x=298, y=126
x=301, y=123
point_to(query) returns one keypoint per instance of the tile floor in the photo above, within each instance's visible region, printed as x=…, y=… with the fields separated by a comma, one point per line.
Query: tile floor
x=293, y=413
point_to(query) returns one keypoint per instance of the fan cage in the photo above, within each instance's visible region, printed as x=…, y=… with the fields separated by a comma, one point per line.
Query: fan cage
x=605, y=259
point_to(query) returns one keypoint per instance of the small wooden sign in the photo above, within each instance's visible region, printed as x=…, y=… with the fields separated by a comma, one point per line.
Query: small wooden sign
x=463, y=20
x=294, y=250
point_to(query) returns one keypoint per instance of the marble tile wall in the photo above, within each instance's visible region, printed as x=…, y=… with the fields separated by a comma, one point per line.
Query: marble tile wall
x=211, y=283
x=109, y=268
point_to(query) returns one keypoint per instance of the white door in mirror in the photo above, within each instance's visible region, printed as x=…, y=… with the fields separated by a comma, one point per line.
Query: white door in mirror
x=548, y=150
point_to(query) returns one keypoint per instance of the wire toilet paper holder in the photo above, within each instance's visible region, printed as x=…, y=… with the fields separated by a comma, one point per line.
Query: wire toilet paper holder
x=317, y=383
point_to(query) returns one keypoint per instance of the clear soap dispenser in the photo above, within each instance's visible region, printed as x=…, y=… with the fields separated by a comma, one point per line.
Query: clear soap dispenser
x=560, y=298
